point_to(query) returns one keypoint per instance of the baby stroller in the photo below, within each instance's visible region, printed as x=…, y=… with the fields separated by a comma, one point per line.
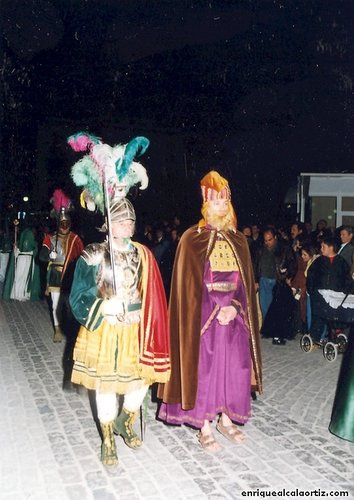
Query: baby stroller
x=337, y=309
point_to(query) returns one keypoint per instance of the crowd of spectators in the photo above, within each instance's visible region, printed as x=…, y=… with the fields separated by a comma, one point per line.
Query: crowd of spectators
x=162, y=238
x=290, y=266
x=282, y=257
x=287, y=280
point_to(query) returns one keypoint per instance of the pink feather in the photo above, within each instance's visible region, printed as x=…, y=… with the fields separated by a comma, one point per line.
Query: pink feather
x=60, y=200
x=80, y=143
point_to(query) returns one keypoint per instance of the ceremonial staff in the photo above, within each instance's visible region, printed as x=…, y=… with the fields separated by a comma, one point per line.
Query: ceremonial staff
x=109, y=232
x=16, y=223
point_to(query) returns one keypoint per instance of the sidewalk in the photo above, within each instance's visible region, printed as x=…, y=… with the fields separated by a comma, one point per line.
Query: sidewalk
x=50, y=446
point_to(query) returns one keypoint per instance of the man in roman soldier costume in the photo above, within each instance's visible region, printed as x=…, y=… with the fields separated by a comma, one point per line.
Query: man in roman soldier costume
x=215, y=354
x=61, y=251
x=118, y=297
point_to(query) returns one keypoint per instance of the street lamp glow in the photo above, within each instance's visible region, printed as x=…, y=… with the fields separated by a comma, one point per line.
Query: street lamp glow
x=25, y=198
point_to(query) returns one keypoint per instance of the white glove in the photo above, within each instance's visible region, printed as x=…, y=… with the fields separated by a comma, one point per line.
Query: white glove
x=113, y=307
x=53, y=255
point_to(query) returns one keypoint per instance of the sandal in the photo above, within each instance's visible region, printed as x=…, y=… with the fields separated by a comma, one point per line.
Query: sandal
x=208, y=442
x=230, y=432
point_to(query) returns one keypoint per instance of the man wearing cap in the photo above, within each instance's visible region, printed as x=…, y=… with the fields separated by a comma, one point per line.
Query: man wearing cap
x=61, y=250
x=215, y=355
x=122, y=346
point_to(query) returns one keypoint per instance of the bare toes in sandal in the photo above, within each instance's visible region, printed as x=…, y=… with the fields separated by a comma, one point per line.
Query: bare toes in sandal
x=230, y=432
x=208, y=442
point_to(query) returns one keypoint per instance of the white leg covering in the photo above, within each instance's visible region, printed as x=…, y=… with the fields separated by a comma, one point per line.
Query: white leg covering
x=19, y=288
x=107, y=407
x=55, y=301
x=4, y=259
x=133, y=400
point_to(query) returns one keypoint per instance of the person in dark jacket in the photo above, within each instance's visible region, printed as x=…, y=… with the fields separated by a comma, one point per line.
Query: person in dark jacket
x=275, y=266
x=346, y=249
x=328, y=272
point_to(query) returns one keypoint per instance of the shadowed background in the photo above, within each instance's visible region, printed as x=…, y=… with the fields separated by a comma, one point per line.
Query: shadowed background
x=259, y=90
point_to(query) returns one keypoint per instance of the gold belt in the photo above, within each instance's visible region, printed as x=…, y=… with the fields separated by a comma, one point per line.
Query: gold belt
x=221, y=286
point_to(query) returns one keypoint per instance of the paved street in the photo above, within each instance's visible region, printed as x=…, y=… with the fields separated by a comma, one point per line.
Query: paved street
x=50, y=445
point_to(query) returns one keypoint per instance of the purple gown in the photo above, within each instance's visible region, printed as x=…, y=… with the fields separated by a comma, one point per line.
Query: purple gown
x=224, y=371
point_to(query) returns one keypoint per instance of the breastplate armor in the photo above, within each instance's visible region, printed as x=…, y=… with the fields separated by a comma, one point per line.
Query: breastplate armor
x=128, y=271
x=59, y=246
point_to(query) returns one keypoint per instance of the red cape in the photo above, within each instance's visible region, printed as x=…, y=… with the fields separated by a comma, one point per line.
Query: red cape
x=154, y=356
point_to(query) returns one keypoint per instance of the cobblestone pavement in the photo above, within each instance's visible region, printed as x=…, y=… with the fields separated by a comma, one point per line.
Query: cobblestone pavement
x=50, y=445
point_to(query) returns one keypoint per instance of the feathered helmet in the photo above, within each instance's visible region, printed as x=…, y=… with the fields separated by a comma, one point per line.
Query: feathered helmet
x=122, y=210
x=113, y=167
x=61, y=206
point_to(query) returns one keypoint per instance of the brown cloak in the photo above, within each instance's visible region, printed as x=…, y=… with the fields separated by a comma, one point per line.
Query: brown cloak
x=185, y=312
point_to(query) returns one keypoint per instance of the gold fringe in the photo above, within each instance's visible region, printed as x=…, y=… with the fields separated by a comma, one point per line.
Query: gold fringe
x=208, y=416
x=108, y=358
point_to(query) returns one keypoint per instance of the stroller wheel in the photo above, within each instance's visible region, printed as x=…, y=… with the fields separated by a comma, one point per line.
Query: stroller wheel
x=342, y=342
x=306, y=342
x=330, y=351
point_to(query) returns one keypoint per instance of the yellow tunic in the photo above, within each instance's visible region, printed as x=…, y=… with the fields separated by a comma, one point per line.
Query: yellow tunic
x=107, y=358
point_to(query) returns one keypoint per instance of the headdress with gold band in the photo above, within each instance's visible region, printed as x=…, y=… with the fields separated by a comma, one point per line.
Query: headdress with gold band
x=62, y=206
x=108, y=172
x=215, y=187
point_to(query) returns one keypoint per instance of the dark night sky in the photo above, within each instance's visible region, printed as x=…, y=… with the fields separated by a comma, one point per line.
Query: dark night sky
x=257, y=89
